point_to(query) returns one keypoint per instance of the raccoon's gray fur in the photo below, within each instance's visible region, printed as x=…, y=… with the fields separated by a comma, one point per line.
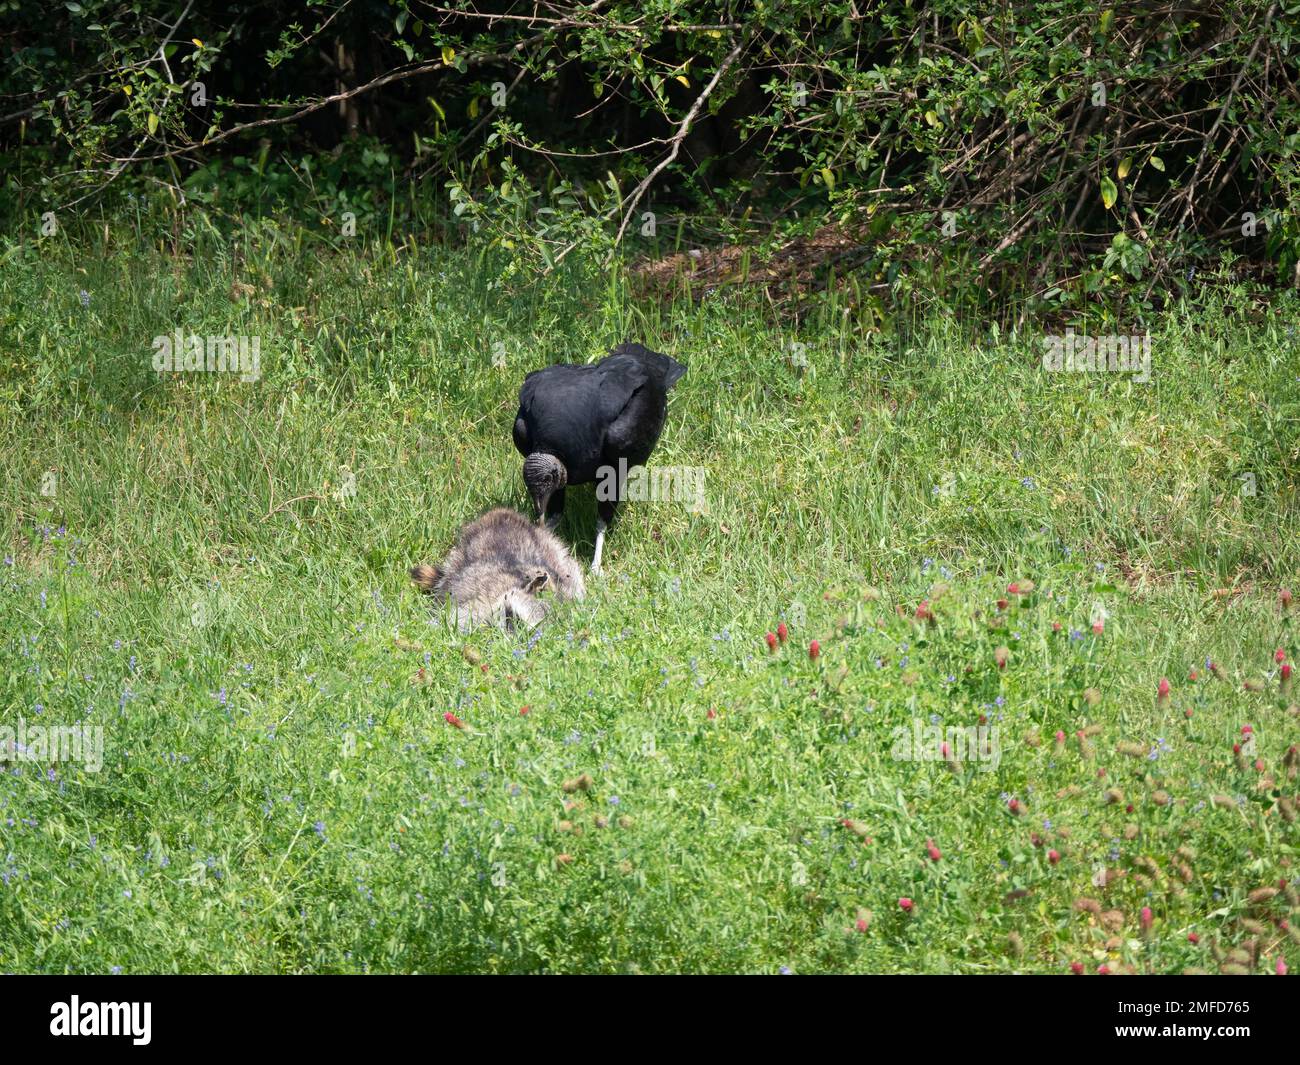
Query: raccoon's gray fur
x=500, y=564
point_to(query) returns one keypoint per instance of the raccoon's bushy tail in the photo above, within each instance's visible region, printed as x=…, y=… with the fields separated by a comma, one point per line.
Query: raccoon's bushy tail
x=426, y=577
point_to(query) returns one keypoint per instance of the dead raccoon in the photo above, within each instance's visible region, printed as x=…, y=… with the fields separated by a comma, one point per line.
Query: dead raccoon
x=500, y=564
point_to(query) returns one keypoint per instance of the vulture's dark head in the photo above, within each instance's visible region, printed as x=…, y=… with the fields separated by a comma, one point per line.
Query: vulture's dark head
x=543, y=474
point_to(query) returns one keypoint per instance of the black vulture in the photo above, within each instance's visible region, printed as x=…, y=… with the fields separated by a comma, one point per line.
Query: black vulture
x=499, y=566
x=576, y=422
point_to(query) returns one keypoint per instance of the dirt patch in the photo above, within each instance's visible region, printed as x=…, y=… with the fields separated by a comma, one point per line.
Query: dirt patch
x=791, y=269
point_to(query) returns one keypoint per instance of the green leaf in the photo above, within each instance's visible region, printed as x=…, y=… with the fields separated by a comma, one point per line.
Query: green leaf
x=1109, y=193
x=153, y=123
x=1158, y=163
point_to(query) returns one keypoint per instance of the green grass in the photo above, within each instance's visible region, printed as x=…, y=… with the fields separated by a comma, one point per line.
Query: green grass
x=281, y=792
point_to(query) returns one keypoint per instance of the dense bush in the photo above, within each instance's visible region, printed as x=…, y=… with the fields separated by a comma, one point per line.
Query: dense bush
x=1048, y=149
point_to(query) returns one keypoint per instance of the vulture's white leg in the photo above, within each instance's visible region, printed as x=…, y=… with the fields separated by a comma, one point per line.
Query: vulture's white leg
x=600, y=546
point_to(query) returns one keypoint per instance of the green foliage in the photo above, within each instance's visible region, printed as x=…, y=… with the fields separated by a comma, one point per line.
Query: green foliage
x=1033, y=149
x=281, y=791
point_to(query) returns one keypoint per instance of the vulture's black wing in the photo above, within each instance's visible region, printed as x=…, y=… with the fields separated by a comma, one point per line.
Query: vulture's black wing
x=590, y=416
x=637, y=389
x=667, y=369
x=566, y=410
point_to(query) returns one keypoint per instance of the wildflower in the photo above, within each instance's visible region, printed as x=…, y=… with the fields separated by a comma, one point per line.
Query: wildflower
x=814, y=649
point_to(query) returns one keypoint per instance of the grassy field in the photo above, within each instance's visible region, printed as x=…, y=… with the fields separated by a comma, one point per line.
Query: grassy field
x=214, y=571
